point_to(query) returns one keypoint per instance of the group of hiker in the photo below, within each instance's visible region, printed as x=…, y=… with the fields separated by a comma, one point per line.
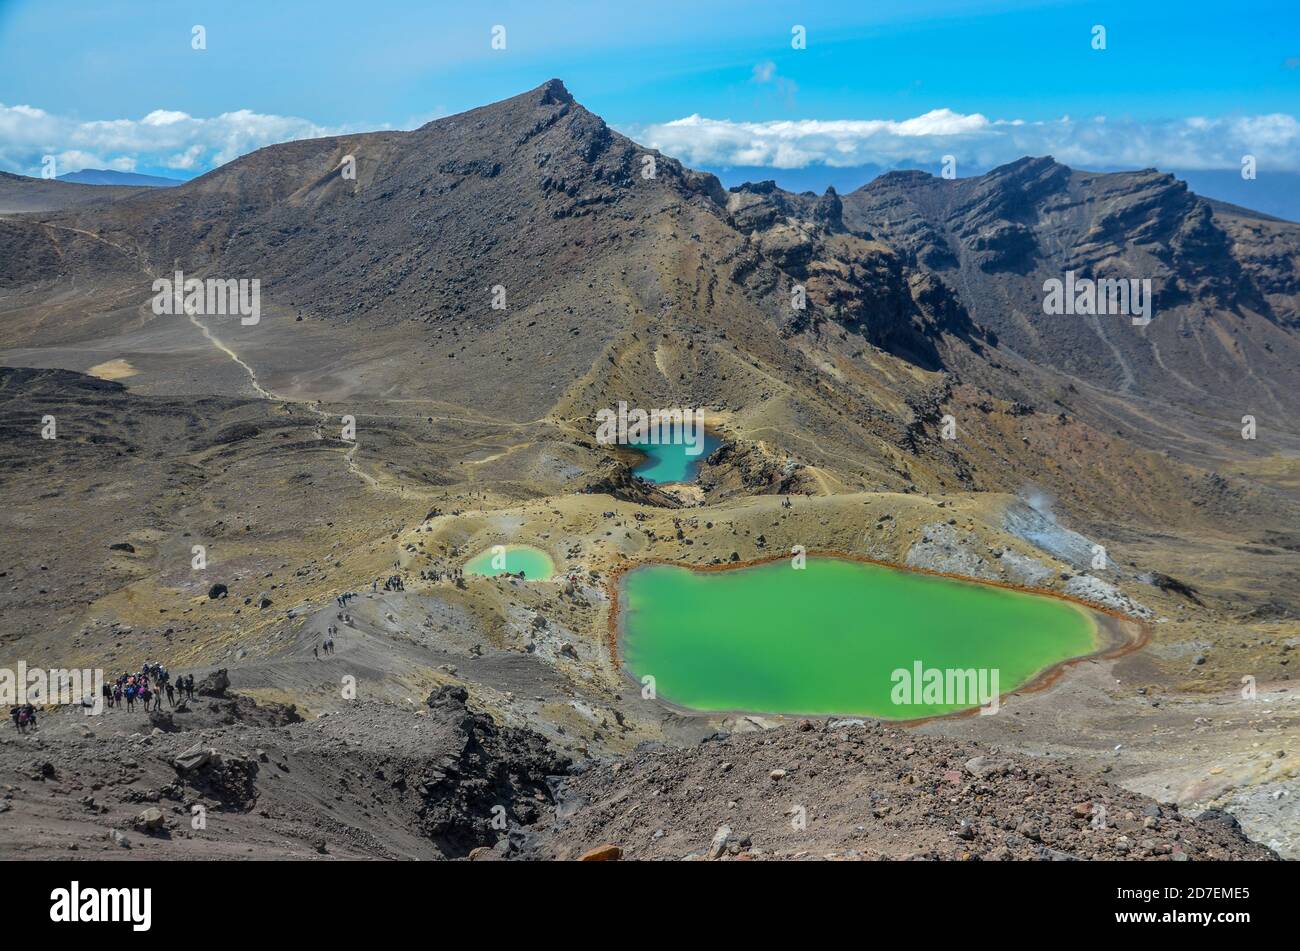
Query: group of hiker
x=395, y=582
x=148, y=687
x=327, y=645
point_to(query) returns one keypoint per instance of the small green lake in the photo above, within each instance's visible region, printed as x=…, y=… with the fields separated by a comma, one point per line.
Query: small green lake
x=670, y=462
x=512, y=559
x=830, y=637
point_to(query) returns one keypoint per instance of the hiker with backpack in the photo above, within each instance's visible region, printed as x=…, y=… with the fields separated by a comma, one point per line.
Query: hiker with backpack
x=26, y=717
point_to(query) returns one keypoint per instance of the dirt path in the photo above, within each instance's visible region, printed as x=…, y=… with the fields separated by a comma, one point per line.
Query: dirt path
x=252, y=375
x=349, y=457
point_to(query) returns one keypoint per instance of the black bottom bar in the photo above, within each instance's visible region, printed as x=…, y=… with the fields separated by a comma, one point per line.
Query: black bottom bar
x=336, y=899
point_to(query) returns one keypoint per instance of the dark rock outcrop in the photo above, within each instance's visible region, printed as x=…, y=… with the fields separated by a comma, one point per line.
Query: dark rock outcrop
x=214, y=684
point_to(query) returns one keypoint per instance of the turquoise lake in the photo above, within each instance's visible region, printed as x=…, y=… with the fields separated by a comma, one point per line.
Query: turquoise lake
x=671, y=462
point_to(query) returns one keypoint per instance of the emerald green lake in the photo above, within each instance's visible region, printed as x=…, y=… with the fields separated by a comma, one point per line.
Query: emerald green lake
x=671, y=462
x=827, y=639
x=512, y=559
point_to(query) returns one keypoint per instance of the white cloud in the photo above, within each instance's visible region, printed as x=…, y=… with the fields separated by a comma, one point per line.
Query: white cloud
x=163, y=138
x=765, y=74
x=170, y=139
x=164, y=117
x=187, y=160
x=1096, y=142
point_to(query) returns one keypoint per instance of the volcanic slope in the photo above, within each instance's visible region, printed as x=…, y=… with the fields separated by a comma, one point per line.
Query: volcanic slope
x=626, y=276
x=442, y=781
x=1222, y=342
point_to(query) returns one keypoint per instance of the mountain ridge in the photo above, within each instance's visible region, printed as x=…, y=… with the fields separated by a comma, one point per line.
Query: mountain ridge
x=601, y=246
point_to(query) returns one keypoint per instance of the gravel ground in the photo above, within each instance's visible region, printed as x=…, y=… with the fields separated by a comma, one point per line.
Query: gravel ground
x=848, y=789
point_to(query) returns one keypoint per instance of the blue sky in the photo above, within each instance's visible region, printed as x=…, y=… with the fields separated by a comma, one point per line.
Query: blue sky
x=89, y=72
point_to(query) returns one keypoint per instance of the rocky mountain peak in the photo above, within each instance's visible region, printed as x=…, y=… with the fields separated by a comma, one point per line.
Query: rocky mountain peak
x=828, y=210
x=554, y=92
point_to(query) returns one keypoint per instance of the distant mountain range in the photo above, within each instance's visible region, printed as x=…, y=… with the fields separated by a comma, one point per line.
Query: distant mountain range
x=23, y=193
x=1273, y=193
x=633, y=277
x=106, y=176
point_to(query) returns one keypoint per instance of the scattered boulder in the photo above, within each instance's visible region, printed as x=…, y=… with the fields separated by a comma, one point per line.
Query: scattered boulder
x=218, y=590
x=447, y=695
x=1226, y=819
x=1166, y=583
x=602, y=853
x=718, y=845
x=214, y=684
x=151, y=820
x=195, y=757
x=983, y=767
